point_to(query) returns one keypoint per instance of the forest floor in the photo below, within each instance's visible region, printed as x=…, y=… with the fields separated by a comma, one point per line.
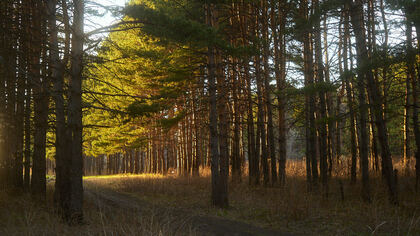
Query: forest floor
x=180, y=220
x=170, y=205
x=271, y=211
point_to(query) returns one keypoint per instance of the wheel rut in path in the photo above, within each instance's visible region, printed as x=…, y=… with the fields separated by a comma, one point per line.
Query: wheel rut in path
x=180, y=220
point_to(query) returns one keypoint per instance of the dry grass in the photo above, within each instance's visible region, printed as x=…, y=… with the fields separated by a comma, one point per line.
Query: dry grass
x=290, y=208
x=21, y=216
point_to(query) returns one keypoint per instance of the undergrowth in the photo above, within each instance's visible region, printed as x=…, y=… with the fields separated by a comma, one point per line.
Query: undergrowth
x=20, y=215
x=291, y=208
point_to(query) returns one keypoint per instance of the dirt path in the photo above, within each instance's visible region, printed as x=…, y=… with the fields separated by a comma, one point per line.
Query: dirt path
x=180, y=220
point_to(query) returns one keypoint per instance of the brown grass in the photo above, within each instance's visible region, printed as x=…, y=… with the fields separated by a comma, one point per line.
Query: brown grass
x=291, y=208
x=21, y=216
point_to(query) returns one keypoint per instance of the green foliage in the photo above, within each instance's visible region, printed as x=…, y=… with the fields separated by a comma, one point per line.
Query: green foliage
x=142, y=109
x=167, y=22
x=315, y=88
x=168, y=123
x=141, y=74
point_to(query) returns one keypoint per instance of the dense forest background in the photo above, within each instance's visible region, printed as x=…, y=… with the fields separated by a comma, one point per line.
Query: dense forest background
x=257, y=91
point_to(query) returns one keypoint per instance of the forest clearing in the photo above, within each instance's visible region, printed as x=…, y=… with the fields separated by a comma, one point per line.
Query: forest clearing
x=209, y=117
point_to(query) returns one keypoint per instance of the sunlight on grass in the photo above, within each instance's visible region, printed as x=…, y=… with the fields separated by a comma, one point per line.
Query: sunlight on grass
x=144, y=176
x=291, y=208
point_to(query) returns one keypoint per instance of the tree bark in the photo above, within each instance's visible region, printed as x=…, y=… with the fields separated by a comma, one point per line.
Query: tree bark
x=365, y=75
x=219, y=196
x=75, y=113
x=323, y=148
x=411, y=58
x=38, y=180
x=271, y=152
x=309, y=100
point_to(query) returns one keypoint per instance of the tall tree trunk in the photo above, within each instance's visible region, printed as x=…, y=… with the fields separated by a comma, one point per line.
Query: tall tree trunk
x=62, y=183
x=365, y=74
x=253, y=159
x=236, y=159
x=197, y=140
x=278, y=25
x=322, y=106
x=372, y=51
x=38, y=180
x=406, y=122
x=261, y=131
x=411, y=77
x=349, y=96
x=310, y=99
x=28, y=135
x=10, y=57
x=4, y=25
x=357, y=21
x=271, y=152
x=20, y=100
x=332, y=122
x=260, y=125
x=222, y=110
x=411, y=61
x=75, y=113
x=219, y=195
